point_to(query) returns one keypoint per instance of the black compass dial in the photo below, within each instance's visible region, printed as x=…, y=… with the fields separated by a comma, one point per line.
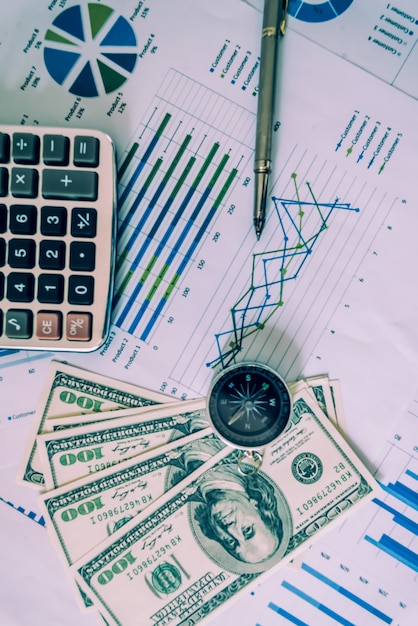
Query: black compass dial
x=249, y=405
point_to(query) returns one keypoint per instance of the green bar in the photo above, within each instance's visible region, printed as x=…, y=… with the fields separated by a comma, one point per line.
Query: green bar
x=205, y=165
x=152, y=173
x=177, y=158
x=183, y=176
x=154, y=258
x=157, y=282
x=218, y=170
x=171, y=286
x=125, y=282
x=147, y=270
x=225, y=187
x=161, y=128
x=127, y=160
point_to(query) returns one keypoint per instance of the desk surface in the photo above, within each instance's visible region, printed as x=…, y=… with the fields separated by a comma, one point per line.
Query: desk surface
x=325, y=290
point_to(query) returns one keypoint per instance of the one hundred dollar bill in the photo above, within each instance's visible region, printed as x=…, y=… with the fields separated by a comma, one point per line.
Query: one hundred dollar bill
x=87, y=511
x=69, y=454
x=83, y=513
x=197, y=547
x=67, y=390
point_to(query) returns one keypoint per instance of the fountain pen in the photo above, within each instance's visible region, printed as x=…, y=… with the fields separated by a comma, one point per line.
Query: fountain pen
x=274, y=24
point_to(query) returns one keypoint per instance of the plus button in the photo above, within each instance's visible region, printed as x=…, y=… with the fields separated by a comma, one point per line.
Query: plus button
x=66, y=180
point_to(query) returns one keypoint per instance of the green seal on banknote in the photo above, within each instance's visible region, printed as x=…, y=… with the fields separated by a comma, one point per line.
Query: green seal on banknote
x=166, y=578
x=307, y=468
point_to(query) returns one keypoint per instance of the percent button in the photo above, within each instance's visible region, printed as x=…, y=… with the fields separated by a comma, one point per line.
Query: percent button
x=79, y=326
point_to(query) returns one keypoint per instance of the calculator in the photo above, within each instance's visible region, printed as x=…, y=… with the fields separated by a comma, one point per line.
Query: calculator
x=57, y=237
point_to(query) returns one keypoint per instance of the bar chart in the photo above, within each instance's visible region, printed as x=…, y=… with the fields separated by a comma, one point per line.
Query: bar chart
x=386, y=534
x=173, y=180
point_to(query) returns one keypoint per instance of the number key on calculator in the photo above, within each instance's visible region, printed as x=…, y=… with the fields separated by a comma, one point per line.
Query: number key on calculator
x=57, y=237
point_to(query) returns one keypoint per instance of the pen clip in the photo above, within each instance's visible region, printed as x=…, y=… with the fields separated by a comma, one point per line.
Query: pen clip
x=282, y=25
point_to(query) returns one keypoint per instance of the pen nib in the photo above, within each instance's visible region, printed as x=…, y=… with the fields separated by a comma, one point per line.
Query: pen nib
x=260, y=202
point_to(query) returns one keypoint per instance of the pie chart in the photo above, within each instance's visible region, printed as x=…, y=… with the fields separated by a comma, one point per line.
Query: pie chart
x=317, y=11
x=90, y=50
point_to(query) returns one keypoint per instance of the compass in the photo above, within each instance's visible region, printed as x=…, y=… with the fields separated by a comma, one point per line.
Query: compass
x=249, y=405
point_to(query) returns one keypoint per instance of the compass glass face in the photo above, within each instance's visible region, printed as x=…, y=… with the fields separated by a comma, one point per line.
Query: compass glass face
x=249, y=405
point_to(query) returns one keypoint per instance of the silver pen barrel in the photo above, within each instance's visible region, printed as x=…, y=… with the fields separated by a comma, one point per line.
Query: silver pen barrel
x=273, y=27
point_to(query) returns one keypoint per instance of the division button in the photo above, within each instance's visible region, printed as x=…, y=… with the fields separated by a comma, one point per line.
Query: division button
x=25, y=148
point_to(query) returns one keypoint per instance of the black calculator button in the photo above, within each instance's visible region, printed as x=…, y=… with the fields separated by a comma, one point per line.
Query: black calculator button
x=69, y=184
x=3, y=218
x=21, y=253
x=83, y=222
x=52, y=254
x=82, y=256
x=56, y=150
x=50, y=288
x=4, y=148
x=23, y=219
x=20, y=287
x=24, y=182
x=53, y=221
x=4, y=181
x=26, y=148
x=1, y=285
x=2, y=251
x=19, y=324
x=86, y=151
x=81, y=290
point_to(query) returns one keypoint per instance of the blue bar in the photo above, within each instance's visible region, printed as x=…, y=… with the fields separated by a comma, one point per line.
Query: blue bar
x=396, y=550
x=144, y=247
x=175, y=250
x=348, y=594
x=288, y=616
x=189, y=253
x=399, y=518
x=122, y=316
x=411, y=474
x=403, y=493
x=324, y=609
x=128, y=217
x=143, y=161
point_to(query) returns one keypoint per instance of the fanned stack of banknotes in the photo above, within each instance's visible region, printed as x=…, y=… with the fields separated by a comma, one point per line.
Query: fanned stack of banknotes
x=148, y=510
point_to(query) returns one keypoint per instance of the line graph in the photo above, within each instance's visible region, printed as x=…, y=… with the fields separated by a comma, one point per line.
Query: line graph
x=301, y=223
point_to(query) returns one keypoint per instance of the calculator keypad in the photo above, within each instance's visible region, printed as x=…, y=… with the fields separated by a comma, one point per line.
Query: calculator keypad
x=57, y=218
